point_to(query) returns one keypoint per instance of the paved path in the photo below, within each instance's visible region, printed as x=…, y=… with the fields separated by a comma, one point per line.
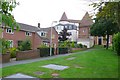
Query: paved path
x=38, y=59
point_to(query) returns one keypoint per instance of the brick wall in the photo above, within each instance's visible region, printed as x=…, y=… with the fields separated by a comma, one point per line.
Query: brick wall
x=84, y=32
x=5, y=58
x=37, y=41
x=20, y=36
x=21, y=55
x=55, y=36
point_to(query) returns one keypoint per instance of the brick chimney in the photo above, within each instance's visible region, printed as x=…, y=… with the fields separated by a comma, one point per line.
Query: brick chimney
x=38, y=25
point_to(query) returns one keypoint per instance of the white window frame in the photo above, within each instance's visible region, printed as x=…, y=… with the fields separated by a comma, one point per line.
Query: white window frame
x=26, y=33
x=44, y=34
x=11, y=45
x=45, y=43
x=7, y=31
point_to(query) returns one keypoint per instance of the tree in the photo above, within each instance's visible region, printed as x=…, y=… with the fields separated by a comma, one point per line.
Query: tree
x=6, y=17
x=5, y=13
x=103, y=27
x=63, y=35
x=108, y=9
x=106, y=21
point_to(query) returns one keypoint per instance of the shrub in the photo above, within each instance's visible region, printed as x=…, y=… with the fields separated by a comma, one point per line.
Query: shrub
x=63, y=50
x=72, y=45
x=79, y=45
x=43, y=46
x=85, y=46
x=25, y=45
x=13, y=52
x=5, y=45
x=116, y=43
x=44, y=52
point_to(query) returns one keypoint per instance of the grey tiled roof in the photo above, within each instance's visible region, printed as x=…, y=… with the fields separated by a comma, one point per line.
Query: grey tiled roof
x=44, y=29
x=27, y=27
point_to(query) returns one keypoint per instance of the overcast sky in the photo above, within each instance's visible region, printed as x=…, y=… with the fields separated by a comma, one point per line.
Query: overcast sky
x=45, y=12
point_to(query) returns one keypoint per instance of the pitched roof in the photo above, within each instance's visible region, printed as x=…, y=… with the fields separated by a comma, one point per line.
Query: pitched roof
x=64, y=17
x=73, y=21
x=27, y=27
x=86, y=20
x=44, y=29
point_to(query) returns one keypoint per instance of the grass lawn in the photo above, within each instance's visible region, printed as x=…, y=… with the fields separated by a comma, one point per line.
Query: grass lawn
x=97, y=63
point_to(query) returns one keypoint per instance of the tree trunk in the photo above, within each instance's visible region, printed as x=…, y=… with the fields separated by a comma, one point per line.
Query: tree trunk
x=107, y=44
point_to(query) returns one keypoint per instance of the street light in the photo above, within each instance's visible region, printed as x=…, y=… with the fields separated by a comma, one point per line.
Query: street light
x=51, y=37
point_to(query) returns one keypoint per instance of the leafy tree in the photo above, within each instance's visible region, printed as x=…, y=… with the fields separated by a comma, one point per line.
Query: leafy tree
x=6, y=7
x=5, y=45
x=103, y=27
x=106, y=21
x=63, y=35
x=108, y=9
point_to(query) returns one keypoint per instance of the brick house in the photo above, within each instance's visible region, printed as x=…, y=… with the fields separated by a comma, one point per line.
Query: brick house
x=84, y=36
x=84, y=33
x=81, y=31
x=28, y=32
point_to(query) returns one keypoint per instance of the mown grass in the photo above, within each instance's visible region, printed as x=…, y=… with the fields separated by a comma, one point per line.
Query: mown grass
x=96, y=63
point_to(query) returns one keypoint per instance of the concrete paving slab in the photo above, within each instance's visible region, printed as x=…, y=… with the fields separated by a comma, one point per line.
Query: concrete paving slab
x=55, y=67
x=19, y=75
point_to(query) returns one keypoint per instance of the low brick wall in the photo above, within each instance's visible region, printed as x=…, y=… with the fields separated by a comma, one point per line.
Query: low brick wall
x=73, y=49
x=5, y=58
x=76, y=49
x=30, y=54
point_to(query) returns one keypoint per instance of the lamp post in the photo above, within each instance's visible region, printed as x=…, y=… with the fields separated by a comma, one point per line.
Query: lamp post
x=51, y=37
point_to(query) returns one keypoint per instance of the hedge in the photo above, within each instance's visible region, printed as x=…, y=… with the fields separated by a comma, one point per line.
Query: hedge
x=63, y=50
x=44, y=52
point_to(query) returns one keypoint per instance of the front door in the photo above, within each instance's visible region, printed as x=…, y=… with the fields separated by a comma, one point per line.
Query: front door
x=99, y=41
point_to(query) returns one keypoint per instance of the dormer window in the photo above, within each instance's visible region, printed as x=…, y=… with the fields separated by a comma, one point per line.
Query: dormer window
x=28, y=33
x=43, y=34
x=9, y=30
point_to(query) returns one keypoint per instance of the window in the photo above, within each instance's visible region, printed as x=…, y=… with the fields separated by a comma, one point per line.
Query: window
x=45, y=44
x=53, y=36
x=11, y=43
x=19, y=43
x=84, y=30
x=8, y=30
x=43, y=34
x=28, y=33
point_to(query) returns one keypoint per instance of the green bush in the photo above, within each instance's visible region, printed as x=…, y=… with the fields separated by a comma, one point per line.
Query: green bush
x=116, y=43
x=5, y=45
x=43, y=46
x=85, y=46
x=25, y=45
x=63, y=50
x=72, y=45
x=79, y=45
x=13, y=52
x=44, y=52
